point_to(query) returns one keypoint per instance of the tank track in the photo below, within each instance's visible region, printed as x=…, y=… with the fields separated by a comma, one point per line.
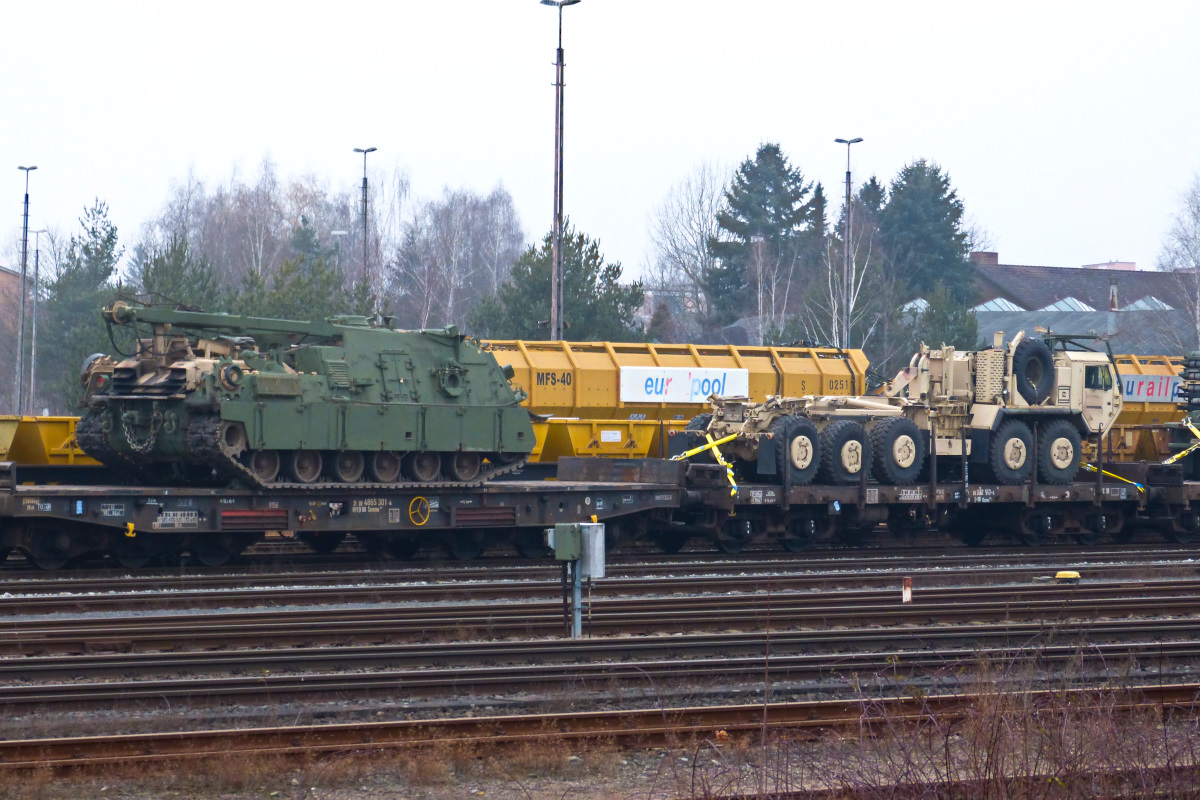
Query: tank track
x=90, y=436
x=206, y=448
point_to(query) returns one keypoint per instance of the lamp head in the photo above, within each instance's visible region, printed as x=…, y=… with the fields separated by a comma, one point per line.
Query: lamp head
x=364, y=152
x=27, y=169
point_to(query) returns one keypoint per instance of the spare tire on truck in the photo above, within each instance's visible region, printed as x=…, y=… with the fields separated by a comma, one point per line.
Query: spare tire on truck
x=1033, y=367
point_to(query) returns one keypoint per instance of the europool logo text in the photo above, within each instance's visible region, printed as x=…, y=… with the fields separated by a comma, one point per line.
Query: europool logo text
x=680, y=384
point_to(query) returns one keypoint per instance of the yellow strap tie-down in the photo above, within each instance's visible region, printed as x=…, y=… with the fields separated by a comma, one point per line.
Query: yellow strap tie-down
x=1196, y=444
x=1094, y=468
x=716, y=451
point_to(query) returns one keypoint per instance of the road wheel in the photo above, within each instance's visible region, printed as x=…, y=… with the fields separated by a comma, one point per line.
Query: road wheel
x=797, y=448
x=305, y=465
x=232, y=438
x=1010, y=456
x=422, y=466
x=899, y=451
x=265, y=465
x=1059, y=450
x=384, y=466
x=845, y=452
x=462, y=466
x=348, y=466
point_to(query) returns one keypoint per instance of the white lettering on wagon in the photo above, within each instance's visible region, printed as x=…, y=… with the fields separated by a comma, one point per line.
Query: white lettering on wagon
x=174, y=520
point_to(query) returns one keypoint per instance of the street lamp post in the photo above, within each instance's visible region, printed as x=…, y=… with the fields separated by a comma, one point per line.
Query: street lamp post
x=364, y=151
x=24, y=272
x=37, y=289
x=557, y=277
x=845, y=337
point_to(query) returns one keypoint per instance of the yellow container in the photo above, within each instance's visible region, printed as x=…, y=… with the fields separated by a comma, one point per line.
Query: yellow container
x=593, y=394
x=1149, y=386
x=1148, y=389
x=597, y=438
x=592, y=380
x=41, y=440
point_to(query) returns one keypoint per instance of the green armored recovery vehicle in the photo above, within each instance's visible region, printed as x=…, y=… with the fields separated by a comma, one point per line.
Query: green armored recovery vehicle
x=281, y=403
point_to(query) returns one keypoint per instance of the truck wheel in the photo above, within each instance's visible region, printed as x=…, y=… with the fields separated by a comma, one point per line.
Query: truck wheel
x=1009, y=457
x=1033, y=367
x=1059, y=450
x=899, y=451
x=845, y=452
x=694, y=437
x=797, y=448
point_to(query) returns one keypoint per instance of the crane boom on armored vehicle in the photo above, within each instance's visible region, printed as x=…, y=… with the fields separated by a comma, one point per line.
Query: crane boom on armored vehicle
x=271, y=402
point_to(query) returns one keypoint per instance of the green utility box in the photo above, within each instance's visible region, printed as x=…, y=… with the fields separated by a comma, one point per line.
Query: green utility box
x=566, y=539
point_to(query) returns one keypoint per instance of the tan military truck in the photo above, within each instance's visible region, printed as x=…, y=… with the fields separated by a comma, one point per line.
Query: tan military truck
x=986, y=402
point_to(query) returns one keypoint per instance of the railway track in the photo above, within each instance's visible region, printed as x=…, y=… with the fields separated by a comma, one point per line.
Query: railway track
x=950, y=632
x=338, y=571
x=641, y=727
x=78, y=595
x=606, y=617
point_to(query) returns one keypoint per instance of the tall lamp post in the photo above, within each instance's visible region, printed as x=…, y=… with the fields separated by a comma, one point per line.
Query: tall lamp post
x=37, y=289
x=845, y=337
x=364, y=151
x=24, y=272
x=557, y=277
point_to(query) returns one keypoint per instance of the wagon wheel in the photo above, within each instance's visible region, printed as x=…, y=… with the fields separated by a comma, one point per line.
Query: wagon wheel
x=216, y=551
x=531, y=545
x=672, y=543
x=384, y=466
x=322, y=543
x=348, y=466
x=50, y=561
x=305, y=465
x=265, y=465
x=422, y=466
x=134, y=553
x=462, y=466
x=403, y=547
x=463, y=546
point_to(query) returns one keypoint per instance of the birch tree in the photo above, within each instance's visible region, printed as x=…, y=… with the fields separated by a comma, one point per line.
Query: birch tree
x=1181, y=255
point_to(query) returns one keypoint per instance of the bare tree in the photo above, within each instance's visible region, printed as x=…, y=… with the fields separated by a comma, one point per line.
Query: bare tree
x=456, y=250
x=1181, y=255
x=680, y=234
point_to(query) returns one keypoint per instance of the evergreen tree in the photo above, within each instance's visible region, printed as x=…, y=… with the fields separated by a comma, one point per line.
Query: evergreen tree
x=172, y=275
x=307, y=287
x=946, y=321
x=768, y=208
x=597, y=307
x=871, y=196
x=75, y=294
x=921, y=231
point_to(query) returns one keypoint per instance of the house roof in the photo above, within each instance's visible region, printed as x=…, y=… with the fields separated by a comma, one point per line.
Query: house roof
x=1041, y=287
x=1169, y=333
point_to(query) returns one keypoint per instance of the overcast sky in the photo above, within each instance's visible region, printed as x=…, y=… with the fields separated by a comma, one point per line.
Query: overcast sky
x=1070, y=130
